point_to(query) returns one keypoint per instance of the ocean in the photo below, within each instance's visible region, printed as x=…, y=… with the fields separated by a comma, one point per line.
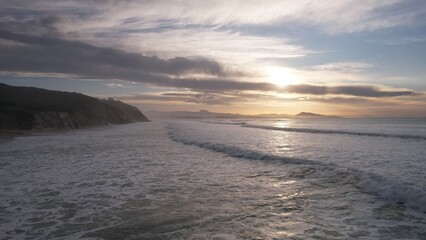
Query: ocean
x=218, y=179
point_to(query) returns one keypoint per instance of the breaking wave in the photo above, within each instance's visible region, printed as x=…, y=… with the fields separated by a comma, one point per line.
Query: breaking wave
x=385, y=188
x=238, y=152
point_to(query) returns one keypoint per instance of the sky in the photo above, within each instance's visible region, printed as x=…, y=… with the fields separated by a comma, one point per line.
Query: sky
x=348, y=57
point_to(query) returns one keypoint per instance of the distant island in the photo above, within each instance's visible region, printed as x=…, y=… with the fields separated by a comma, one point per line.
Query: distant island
x=29, y=108
x=314, y=115
x=206, y=114
x=193, y=115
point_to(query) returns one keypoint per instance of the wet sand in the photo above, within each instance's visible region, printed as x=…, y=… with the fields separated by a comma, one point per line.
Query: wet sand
x=9, y=136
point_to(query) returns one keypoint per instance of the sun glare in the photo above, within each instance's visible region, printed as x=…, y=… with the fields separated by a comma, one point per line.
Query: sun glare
x=281, y=76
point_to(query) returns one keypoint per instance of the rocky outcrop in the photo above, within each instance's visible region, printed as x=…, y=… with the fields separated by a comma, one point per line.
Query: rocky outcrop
x=28, y=108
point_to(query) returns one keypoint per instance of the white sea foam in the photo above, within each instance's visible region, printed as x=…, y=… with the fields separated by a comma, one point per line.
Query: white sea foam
x=212, y=181
x=237, y=152
x=386, y=189
x=395, y=192
x=327, y=131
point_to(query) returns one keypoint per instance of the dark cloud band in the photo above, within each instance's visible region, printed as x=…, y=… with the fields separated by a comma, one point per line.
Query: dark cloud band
x=25, y=53
x=360, y=91
x=73, y=54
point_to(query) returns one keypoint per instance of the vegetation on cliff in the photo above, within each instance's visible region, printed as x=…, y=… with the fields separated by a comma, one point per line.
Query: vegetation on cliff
x=28, y=108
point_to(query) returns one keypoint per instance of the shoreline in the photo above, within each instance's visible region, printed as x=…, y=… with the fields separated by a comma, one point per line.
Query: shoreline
x=7, y=135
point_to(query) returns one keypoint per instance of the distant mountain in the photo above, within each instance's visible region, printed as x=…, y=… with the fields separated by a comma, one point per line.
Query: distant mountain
x=192, y=115
x=314, y=115
x=28, y=108
x=274, y=115
x=206, y=114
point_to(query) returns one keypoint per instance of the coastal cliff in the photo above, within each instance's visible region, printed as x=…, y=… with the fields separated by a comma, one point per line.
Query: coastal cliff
x=28, y=108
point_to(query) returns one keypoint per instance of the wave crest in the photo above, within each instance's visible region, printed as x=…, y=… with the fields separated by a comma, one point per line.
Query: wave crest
x=386, y=189
x=326, y=131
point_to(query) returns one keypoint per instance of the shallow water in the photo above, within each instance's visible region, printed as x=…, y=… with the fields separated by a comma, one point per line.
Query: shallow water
x=195, y=180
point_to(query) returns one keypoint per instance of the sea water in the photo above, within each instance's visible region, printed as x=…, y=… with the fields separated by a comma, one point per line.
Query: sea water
x=219, y=179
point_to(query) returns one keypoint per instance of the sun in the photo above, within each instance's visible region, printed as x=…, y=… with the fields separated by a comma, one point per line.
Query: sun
x=281, y=76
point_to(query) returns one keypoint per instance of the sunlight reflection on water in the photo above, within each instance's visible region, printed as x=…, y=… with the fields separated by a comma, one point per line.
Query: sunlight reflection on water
x=134, y=182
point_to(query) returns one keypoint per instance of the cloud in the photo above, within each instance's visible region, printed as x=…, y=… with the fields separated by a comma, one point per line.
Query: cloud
x=198, y=98
x=232, y=98
x=48, y=55
x=342, y=100
x=239, y=97
x=327, y=15
x=400, y=41
x=229, y=31
x=231, y=46
x=47, y=49
x=189, y=28
x=45, y=25
x=350, y=16
x=114, y=85
x=344, y=66
x=354, y=90
x=51, y=55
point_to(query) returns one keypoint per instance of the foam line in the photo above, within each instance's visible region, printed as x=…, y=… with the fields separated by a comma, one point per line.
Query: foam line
x=326, y=131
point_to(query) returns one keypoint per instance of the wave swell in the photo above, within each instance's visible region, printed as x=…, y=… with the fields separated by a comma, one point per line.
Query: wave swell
x=326, y=131
x=239, y=152
x=370, y=183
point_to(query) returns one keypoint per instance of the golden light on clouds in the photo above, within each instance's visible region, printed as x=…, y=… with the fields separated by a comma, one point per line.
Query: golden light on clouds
x=232, y=56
